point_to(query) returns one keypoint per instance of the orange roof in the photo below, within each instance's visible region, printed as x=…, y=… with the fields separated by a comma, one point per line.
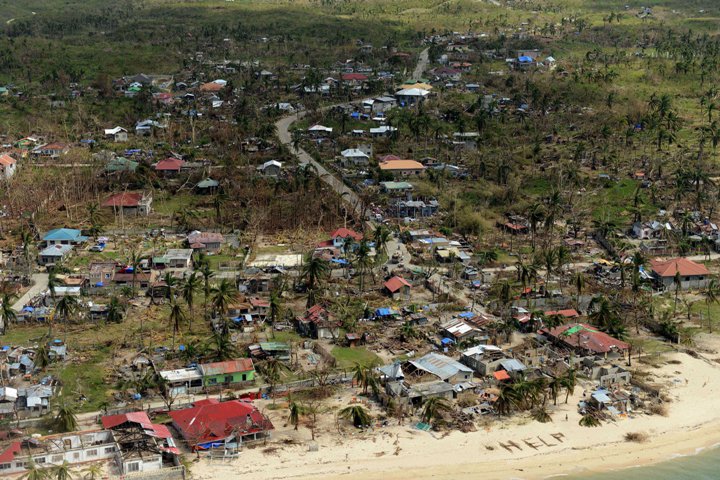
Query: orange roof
x=211, y=87
x=401, y=165
x=568, y=313
x=396, y=283
x=7, y=160
x=501, y=375
x=686, y=268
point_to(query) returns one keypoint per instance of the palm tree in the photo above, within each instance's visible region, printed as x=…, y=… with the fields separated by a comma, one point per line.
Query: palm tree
x=34, y=472
x=7, y=314
x=434, y=409
x=93, y=472
x=381, y=236
x=221, y=347
x=176, y=316
x=712, y=295
x=189, y=288
x=65, y=420
x=275, y=307
x=554, y=387
x=42, y=356
x=362, y=261
x=273, y=371
x=115, y=310
x=357, y=413
x=506, y=400
x=207, y=274
x=677, y=281
x=65, y=308
x=589, y=420
x=62, y=471
x=314, y=271
x=541, y=415
x=26, y=239
x=135, y=264
x=569, y=382
x=295, y=411
x=222, y=296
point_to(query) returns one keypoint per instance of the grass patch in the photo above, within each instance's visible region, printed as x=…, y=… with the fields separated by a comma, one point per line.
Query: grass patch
x=348, y=357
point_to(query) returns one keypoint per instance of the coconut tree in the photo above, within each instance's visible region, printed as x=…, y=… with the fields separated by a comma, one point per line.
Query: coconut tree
x=712, y=295
x=176, y=317
x=357, y=414
x=221, y=347
x=314, y=271
x=65, y=308
x=434, y=409
x=589, y=420
x=42, y=356
x=189, y=288
x=295, y=411
x=62, y=471
x=26, y=239
x=7, y=314
x=65, y=419
x=222, y=295
x=506, y=400
x=554, y=386
x=273, y=370
x=569, y=382
x=541, y=415
x=34, y=472
x=115, y=310
x=207, y=274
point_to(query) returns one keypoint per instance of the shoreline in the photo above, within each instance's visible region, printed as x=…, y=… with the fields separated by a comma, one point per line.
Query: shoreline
x=511, y=448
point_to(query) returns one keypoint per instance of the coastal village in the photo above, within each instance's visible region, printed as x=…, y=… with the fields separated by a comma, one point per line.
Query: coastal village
x=252, y=259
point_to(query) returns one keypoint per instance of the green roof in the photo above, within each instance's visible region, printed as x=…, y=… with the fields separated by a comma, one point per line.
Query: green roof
x=121, y=164
x=208, y=183
x=270, y=346
x=397, y=185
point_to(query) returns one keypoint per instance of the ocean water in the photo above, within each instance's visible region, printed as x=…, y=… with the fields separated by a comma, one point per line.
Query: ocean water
x=703, y=466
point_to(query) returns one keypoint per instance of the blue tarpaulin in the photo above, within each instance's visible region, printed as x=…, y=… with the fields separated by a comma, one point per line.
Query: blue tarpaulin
x=28, y=309
x=339, y=261
x=466, y=315
x=447, y=341
x=383, y=312
x=525, y=59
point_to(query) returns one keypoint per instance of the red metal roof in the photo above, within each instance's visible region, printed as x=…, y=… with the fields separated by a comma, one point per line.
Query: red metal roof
x=125, y=199
x=210, y=420
x=230, y=366
x=354, y=76
x=8, y=455
x=586, y=337
x=345, y=233
x=140, y=418
x=396, y=283
x=169, y=165
x=687, y=268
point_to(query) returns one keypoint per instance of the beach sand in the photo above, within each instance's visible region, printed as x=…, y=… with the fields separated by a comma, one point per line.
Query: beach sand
x=534, y=450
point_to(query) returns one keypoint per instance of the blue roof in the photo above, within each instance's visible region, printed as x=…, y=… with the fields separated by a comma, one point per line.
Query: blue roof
x=60, y=234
